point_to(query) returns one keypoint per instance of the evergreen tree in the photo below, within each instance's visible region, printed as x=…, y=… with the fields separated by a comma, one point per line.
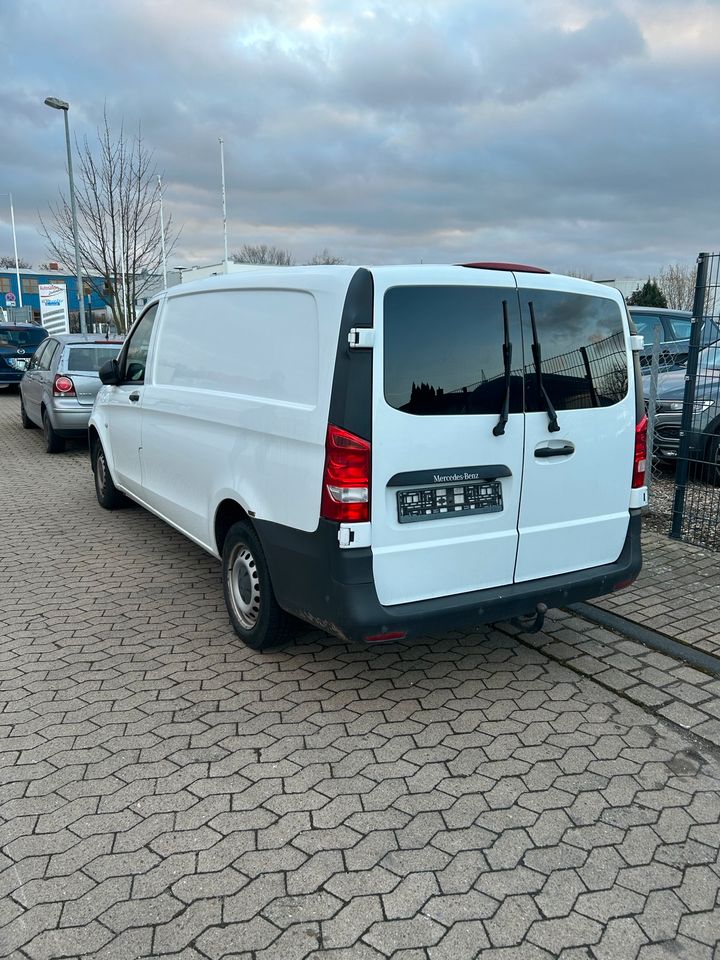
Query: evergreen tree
x=649, y=296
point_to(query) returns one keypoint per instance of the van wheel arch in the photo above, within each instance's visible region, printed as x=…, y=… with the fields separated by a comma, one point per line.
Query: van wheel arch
x=93, y=440
x=228, y=513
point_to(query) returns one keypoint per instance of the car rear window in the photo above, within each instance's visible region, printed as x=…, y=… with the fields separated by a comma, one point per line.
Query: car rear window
x=444, y=349
x=88, y=358
x=583, y=351
x=21, y=337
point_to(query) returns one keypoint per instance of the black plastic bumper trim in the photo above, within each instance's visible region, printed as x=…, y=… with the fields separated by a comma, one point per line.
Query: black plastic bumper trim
x=333, y=589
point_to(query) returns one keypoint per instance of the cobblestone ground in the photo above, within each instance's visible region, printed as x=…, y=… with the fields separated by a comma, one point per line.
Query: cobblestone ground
x=165, y=792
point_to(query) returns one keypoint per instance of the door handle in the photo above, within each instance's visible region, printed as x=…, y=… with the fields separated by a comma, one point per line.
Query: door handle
x=134, y=397
x=562, y=451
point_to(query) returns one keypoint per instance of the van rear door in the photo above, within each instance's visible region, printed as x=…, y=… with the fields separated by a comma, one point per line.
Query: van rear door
x=446, y=472
x=577, y=470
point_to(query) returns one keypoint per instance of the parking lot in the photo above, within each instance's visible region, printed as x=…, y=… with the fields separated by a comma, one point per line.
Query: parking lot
x=165, y=792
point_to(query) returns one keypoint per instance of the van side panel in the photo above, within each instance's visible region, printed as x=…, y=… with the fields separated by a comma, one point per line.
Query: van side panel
x=237, y=402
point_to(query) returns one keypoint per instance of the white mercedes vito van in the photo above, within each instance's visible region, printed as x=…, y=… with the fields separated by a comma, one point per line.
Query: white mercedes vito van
x=384, y=451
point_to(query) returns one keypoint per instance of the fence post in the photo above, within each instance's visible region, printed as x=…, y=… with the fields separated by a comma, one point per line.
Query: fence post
x=652, y=404
x=682, y=469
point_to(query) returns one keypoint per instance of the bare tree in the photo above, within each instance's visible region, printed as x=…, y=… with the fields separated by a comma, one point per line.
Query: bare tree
x=580, y=274
x=118, y=206
x=8, y=263
x=263, y=253
x=324, y=257
x=677, y=282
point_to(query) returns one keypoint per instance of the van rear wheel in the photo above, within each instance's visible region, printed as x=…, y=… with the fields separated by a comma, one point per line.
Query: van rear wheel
x=254, y=612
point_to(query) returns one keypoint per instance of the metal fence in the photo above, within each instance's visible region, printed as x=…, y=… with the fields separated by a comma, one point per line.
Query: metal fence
x=683, y=404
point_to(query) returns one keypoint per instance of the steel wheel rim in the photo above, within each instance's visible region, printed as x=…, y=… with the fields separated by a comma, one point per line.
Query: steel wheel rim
x=100, y=472
x=244, y=586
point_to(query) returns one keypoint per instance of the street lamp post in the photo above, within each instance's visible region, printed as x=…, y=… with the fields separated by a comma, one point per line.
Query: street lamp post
x=65, y=107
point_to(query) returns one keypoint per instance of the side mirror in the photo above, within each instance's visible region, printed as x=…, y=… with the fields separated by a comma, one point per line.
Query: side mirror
x=109, y=373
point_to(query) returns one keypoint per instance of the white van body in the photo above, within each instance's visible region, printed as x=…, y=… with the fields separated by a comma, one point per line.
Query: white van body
x=219, y=410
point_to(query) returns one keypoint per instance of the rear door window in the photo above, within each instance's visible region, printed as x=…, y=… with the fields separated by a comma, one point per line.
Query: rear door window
x=48, y=355
x=681, y=327
x=646, y=324
x=583, y=350
x=443, y=349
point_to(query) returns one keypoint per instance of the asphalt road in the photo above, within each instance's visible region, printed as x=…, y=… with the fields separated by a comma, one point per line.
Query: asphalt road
x=165, y=792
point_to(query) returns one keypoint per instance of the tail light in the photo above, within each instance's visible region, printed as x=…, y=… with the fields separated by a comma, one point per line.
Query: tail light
x=640, y=461
x=346, y=478
x=63, y=386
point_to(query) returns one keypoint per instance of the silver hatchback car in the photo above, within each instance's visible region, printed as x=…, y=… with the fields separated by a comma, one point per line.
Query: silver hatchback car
x=59, y=386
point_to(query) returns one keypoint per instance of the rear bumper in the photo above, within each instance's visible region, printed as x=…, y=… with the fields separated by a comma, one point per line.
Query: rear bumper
x=71, y=422
x=333, y=589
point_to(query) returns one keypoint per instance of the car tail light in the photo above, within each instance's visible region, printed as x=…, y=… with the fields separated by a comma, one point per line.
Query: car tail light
x=640, y=461
x=346, y=478
x=63, y=386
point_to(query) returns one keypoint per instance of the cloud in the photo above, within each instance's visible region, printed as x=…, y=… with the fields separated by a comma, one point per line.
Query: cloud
x=573, y=132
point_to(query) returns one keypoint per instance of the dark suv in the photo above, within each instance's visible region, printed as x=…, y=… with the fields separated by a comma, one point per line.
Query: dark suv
x=705, y=424
x=674, y=334
x=18, y=343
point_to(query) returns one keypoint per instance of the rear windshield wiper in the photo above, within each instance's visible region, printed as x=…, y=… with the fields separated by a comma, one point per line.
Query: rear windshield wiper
x=499, y=428
x=553, y=425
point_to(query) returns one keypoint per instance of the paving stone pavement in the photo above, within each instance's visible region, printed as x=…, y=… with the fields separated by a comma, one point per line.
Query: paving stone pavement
x=677, y=593
x=165, y=792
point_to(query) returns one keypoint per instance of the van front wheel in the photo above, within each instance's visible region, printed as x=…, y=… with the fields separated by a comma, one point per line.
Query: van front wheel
x=107, y=493
x=254, y=612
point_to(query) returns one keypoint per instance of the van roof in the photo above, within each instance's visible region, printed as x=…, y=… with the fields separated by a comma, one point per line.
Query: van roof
x=334, y=278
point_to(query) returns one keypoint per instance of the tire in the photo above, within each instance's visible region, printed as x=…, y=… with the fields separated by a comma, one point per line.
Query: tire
x=27, y=423
x=108, y=495
x=254, y=612
x=53, y=443
x=713, y=464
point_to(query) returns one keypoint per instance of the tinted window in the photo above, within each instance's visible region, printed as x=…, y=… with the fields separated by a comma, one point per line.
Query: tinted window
x=137, y=347
x=444, y=350
x=89, y=359
x=709, y=359
x=646, y=325
x=22, y=337
x=582, y=343
x=681, y=328
x=46, y=360
x=38, y=355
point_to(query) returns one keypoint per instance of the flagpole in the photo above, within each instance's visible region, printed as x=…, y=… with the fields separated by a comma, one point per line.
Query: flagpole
x=17, y=262
x=162, y=235
x=222, y=174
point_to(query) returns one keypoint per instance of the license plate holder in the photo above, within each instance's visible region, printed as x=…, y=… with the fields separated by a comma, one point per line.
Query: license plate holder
x=449, y=500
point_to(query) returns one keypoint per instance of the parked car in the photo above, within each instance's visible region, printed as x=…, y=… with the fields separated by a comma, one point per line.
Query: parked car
x=675, y=335
x=59, y=387
x=18, y=343
x=380, y=451
x=705, y=423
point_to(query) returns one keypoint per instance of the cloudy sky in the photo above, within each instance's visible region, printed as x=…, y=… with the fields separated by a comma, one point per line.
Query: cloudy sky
x=576, y=134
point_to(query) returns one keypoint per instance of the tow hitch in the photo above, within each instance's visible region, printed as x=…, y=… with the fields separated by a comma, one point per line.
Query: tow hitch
x=530, y=625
